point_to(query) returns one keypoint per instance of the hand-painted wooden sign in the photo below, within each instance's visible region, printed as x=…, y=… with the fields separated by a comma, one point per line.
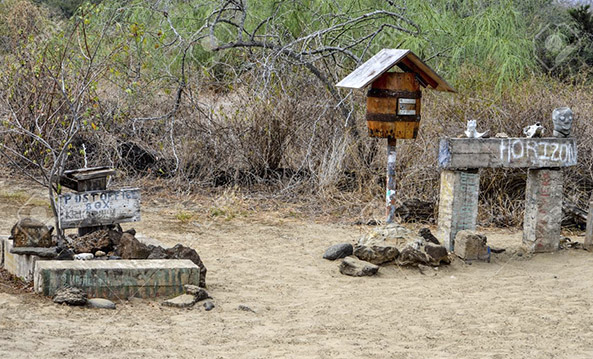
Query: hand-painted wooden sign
x=507, y=152
x=96, y=208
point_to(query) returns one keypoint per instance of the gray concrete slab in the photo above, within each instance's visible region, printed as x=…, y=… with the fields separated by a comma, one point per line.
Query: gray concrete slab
x=19, y=265
x=117, y=279
x=458, y=204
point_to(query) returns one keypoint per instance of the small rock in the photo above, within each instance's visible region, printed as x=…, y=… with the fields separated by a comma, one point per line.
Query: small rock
x=353, y=266
x=101, y=303
x=113, y=258
x=199, y=293
x=438, y=253
x=208, y=305
x=338, y=251
x=100, y=254
x=428, y=236
x=245, y=308
x=501, y=135
x=427, y=270
x=70, y=296
x=182, y=301
x=83, y=256
x=376, y=253
x=29, y=232
x=470, y=245
x=497, y=250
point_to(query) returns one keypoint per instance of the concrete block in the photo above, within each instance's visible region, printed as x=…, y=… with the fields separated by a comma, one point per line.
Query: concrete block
x=589, y=233
x=470, y=245
x=117, y=279
x=19, y=265
x=543, y=210
x=458, y=204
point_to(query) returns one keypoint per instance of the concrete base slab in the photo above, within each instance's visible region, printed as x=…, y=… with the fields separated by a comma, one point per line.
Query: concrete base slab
x=19, y=265
x=117, y=279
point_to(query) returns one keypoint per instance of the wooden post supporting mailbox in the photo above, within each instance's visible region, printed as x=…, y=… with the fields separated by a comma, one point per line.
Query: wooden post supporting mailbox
x=543, y=157
x=393, y=102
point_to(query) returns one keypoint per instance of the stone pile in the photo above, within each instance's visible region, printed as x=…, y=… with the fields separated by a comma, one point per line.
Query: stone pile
x=389, y=244
x=193, y=294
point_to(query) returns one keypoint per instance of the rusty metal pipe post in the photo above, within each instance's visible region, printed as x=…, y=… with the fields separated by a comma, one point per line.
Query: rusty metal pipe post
x=390, y=185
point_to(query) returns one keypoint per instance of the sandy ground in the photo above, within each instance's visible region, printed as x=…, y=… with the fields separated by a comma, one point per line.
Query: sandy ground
x=514, y=307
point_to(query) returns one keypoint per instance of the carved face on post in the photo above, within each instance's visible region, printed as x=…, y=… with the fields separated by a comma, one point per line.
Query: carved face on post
x=562, y=118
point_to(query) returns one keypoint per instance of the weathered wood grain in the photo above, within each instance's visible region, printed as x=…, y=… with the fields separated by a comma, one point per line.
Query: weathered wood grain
x=507, y=153
x=96, y=208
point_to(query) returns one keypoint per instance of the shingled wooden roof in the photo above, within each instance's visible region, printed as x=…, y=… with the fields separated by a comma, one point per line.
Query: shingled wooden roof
x=385, y=60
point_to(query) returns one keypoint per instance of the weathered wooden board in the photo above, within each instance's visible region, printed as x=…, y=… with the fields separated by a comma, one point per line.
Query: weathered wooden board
x=96, y=208
x=507, y=152
x=385, y=60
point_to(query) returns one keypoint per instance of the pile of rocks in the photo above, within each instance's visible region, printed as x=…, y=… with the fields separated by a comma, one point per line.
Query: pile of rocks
x=389, y=244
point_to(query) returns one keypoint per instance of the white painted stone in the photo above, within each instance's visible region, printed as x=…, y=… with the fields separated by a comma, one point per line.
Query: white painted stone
x=458, y=204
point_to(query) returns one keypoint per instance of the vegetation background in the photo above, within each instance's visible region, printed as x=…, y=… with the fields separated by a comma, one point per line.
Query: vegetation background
x=210, y=95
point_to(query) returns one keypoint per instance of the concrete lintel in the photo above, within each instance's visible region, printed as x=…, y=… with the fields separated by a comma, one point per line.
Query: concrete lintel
x=549, y=152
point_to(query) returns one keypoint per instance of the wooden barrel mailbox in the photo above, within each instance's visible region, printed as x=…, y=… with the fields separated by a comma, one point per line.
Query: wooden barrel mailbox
x=394, y=98
x=393, y=106
x=393, y=102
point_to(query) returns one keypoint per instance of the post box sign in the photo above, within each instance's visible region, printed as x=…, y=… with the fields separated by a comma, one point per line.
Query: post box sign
x=97, y=208
x=394, y=97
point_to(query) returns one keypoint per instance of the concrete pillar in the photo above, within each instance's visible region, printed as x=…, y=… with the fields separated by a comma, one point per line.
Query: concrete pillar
x=589, y=234
x=458, y=204
x=543, y=210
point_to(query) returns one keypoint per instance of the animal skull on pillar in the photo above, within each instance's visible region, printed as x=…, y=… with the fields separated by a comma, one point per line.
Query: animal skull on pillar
x=393, y=102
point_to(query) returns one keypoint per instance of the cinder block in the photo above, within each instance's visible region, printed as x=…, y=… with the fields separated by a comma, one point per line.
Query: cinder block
x=543, y=210
x=117, y=279
x=458, y=204
x=19, y=265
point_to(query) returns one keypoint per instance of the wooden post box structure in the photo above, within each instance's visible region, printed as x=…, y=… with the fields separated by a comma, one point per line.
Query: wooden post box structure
x=394, y=101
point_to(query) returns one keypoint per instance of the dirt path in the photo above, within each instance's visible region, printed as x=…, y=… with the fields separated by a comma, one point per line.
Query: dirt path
x=514, y=307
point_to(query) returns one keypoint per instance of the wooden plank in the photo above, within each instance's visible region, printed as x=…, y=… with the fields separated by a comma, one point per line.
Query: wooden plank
x=385, y=60
x=96, y=208
x=372, y=68
x=507, y=152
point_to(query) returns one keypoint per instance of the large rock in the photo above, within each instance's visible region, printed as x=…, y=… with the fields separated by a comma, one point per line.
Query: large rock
x=70, y=296
x=182, y=252
x=438, y=253
x=355, y=267
x=377, y=253
x=199, y=293
x=338, y=251
x=29, y=232
x=182, y=301
x=131, y=248
x=101, y=303
x=470, y=245
x=413, y=255
x=102, y=240
x=392, y=234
